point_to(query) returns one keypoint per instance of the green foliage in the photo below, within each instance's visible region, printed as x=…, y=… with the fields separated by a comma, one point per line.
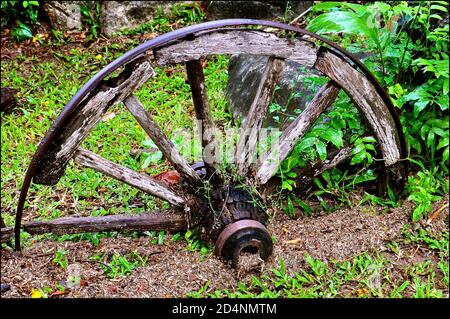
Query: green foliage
x=61, y=258
x=408, y=53
x=17, y=15
x=120, y=265
x=183, y=14
x=424, y=237
x=410, y=43
x=91, y=17
x=188, y=13
x=425, y=188
x=195, y=243
x=362, y=276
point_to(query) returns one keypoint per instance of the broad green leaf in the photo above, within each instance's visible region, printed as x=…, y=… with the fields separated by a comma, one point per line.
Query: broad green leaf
x=445, y=155
x=21, y=32
x=438, y=7
x=306, y=143
x=360, y=147
x=330, y=135
x=419, y=107
x=369, y=139
x=445, y=89
x=443, y=143
x=321, y=150
x=304, y=206
x=341, y=21
x=358, y=158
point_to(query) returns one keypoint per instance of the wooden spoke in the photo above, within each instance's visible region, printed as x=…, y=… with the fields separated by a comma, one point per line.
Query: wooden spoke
x=160, y=139
x=90, y=112
x=237, y=42
x=269, y=162
x=137, y=222
x=334, y=159
x=342, y=155
x=368, y=101
x=126, y=175
x=249, y=131
x=203, y=114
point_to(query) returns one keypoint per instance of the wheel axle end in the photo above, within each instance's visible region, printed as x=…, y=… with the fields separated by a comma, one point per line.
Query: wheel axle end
x=243, y=236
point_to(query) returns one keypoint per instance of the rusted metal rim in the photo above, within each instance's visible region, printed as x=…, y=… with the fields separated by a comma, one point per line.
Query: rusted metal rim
x=242, y=234
x=159, y=42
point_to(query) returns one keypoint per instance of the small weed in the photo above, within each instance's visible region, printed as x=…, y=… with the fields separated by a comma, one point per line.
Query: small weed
x=60, y=258
x=195, y=243
x=121, y=265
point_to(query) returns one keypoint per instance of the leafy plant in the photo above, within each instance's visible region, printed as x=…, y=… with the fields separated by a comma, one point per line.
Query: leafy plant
x=188, y=13
x=91, y=17
x=60, y=258
x=121, y=265
x=424, y=189
x=407, y=45
x=18, y=14
x=195, y=243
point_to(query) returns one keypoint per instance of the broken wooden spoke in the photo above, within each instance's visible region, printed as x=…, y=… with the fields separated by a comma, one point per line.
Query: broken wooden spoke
x=137, y=222
x=211, y=152
x=89, y=113
x=252, y=124
x=342, y=155
x=160, y=139
x=367, y=100
x=270, y=161
x=126, y=175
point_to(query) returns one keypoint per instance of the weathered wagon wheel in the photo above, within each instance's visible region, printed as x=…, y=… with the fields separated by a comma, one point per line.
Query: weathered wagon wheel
x=232, y=220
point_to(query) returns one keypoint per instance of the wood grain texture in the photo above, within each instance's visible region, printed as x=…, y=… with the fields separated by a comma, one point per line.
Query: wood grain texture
x=88, y=114
x=341, y=155
x=126, y=175
x=202, y=108
x=246, y=145
x=165, y=145
x=137, y=222
x=270, y=161
x=367, y=100
x=237, y=42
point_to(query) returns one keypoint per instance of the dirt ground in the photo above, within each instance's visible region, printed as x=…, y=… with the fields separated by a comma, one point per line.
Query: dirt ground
x=173, y=271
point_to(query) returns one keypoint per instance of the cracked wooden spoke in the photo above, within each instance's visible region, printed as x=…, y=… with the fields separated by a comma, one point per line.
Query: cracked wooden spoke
x=367, y=100
x=89, y=113
x=211, y=152
x=126, y=175
x=158, y=220
x=160, y=139
x=252, y=124
x=269, y=162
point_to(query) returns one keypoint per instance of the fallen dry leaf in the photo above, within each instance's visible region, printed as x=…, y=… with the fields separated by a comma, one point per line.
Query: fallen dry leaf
x=168, y=177
x=58, y=293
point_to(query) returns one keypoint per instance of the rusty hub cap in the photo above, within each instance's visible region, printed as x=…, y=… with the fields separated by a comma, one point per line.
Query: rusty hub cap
x=245, y=235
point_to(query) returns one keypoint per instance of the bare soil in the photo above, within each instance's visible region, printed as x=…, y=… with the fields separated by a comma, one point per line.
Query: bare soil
x=173, y=271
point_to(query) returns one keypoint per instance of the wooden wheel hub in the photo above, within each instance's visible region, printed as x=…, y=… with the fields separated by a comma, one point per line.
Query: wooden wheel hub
x=243, y=236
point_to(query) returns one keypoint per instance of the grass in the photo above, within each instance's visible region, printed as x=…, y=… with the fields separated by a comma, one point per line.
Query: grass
x=374, y=274
x=117, y=265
